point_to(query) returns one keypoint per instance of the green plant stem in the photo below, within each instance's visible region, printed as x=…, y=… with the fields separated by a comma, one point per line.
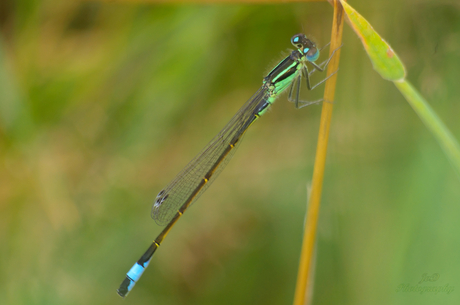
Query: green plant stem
x=432, y=122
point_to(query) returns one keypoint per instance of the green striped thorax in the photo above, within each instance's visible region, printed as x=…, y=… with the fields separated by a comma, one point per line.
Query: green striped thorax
x=281, y=76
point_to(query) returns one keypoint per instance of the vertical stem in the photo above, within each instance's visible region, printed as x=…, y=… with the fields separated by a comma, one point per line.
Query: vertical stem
x=305, y=265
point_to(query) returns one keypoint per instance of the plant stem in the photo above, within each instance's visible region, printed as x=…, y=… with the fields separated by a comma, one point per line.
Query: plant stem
x=305, y=265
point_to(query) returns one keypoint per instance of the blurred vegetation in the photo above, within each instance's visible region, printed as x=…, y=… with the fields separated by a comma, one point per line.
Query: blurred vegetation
x=101, y=104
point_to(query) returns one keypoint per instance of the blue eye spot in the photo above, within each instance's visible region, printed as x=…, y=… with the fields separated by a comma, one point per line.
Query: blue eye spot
x=296, y=39
x=305, y=50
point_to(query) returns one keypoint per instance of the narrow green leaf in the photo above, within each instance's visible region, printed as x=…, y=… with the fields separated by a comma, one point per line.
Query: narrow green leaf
x=432, y=122
x=385, y=61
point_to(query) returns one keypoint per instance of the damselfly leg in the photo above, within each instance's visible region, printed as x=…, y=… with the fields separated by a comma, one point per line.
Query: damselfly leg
x=296, y=84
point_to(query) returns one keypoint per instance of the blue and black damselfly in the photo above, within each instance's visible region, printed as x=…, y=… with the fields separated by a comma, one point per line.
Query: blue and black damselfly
x=172, y=202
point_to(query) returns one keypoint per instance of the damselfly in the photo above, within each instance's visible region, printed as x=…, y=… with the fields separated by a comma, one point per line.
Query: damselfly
x=195, y=178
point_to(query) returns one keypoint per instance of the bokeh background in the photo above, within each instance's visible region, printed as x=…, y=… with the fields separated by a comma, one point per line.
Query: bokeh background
x=103, y=103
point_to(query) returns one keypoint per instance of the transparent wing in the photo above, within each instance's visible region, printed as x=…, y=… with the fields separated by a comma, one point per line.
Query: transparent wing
x=212, y=159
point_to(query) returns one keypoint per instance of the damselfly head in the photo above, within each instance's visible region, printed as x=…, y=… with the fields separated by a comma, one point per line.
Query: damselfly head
x=300, y=41
x=305, y=46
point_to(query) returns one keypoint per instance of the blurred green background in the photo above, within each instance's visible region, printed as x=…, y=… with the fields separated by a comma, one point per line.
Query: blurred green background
x=103, y=103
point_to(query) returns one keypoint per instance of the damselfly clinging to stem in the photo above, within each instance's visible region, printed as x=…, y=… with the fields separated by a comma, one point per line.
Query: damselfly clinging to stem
x=196, y=177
